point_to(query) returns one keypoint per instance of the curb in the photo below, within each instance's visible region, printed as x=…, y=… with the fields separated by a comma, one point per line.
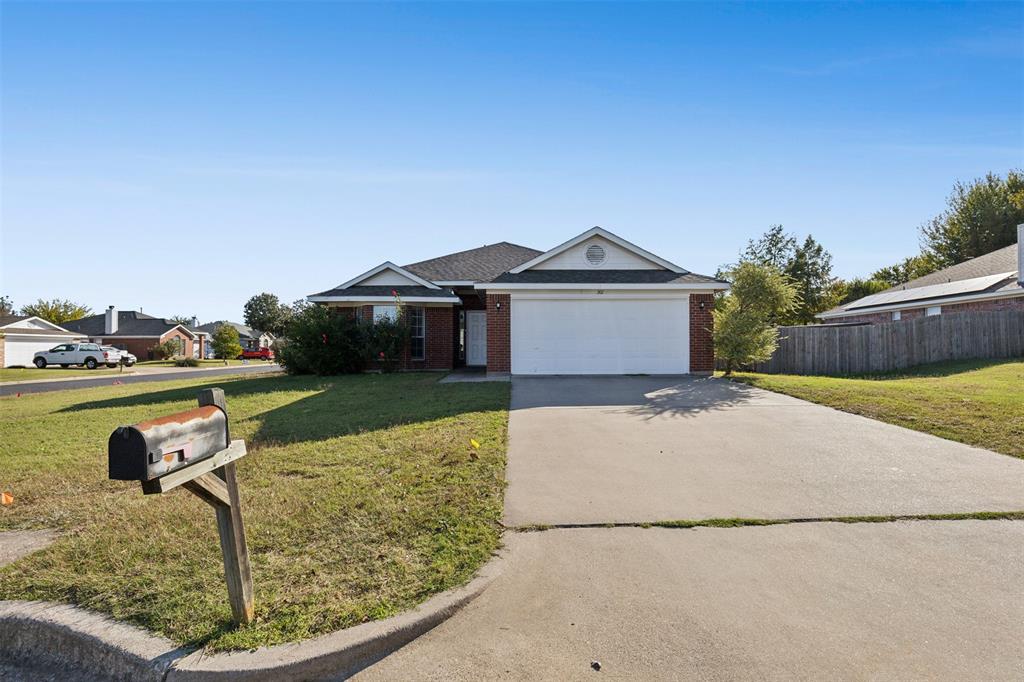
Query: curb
x=78, y=641
x=137, y=373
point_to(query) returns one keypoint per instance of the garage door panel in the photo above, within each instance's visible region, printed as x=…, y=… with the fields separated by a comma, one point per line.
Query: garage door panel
x=600, y=336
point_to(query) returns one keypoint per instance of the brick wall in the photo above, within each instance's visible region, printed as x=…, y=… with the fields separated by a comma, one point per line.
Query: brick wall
x=499, y=349
x=702, y=349
x=438, y=343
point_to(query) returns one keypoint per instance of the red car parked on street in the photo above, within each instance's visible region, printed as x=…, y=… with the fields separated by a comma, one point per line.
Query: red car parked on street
x=256, y=354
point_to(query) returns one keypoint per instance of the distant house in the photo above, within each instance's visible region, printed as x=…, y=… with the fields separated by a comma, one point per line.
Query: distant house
x=994, y=281
x=137, y=332
x=21, y=336
x=249, y=338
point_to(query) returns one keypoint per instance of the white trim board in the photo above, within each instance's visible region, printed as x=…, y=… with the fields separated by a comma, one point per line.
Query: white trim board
x=597, y=231
x=383, y=299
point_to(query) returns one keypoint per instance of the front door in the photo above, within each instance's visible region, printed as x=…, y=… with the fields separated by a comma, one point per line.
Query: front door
x=476, y=337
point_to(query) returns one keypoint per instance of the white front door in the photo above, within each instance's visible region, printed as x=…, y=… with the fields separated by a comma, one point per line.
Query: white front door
x=601, y=336
x=476, y=337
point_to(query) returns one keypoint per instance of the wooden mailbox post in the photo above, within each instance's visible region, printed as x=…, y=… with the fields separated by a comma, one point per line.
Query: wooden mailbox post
x=194, y=450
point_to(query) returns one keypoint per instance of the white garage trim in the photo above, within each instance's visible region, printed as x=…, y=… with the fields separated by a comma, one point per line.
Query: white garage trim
x=600, y=334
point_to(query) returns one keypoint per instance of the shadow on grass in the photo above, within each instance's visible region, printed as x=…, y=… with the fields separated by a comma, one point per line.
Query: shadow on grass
x=337, y=406
x=939, y=369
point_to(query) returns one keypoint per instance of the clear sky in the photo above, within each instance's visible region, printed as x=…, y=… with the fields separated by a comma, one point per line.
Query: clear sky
x=183, y=157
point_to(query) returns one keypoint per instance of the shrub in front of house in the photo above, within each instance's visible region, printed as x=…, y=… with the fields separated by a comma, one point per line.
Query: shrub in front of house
x=186, y=362
x=166, y=350
x=323, y=343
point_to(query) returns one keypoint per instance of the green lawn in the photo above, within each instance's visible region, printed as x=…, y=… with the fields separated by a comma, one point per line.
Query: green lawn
x=17, y=374
x=975, y=402
x=362, y=496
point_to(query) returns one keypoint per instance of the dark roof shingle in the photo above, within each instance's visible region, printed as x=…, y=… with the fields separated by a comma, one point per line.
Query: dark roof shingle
x=474, y=265
x=373, y=290
x=129, y=323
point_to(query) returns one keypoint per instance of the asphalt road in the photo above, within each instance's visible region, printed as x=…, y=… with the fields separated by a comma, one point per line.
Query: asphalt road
x=109, y=379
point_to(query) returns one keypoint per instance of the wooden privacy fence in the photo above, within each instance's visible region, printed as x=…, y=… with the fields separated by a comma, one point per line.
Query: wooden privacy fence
x=859, y=349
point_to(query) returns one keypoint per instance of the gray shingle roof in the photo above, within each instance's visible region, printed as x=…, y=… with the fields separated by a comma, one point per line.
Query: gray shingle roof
x=598, y=276
x=997, y=262
x=373, y=290
x=11, y=319
x=129, y=323
x=475, y=265
x=243, y=330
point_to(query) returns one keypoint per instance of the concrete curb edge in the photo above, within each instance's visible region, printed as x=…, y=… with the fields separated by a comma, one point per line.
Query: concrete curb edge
x=74, y=638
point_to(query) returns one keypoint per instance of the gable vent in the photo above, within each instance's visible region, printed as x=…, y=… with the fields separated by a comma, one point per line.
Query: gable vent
x=595, y=254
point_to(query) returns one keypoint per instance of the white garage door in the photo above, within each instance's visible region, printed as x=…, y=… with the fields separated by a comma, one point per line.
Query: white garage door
x=18, y=351
x=600, y=336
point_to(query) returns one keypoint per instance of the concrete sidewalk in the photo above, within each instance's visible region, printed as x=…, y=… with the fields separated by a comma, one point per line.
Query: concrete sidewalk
x=912, y=600
x=642, y=449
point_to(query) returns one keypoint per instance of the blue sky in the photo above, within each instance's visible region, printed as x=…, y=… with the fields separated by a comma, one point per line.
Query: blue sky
x=182, y=157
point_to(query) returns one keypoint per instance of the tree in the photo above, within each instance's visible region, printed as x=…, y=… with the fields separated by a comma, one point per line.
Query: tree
x=225, y=342
x=171, y=348
x=325, y=342
x=265, y=313
x=980, y=217
x=185, y=320
x=6, y=305
x=56, y=311
x=744, y=318
x=909, y=268
x=856, y=288
x=807, y=264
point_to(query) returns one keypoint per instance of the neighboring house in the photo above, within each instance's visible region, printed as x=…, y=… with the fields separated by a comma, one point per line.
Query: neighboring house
x=136, y=332
x=994, y=281
x=596, y=304
x=248, y=338
x=21, y=336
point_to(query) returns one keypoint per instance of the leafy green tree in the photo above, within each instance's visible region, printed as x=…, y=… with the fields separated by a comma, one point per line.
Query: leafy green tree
x=6, y=305
x=980, y=217
x=909, y=268
x=325, y=342
x=856, y=288
x=745, y=317
x=185, y=320
x=171, y=348
x=57, y=310
x=225, y=342
x=807, y=264
x=265, y=312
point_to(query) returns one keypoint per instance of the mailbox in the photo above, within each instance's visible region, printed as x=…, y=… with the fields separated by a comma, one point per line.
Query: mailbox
x=153, y=448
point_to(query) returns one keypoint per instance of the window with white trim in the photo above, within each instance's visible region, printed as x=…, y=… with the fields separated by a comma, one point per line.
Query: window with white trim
x=896, y=315
x=417, y=332
x=385, y=312
x=933, y=310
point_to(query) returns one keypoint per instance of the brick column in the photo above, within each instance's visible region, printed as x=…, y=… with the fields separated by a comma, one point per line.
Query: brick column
x=437, y=346
x=702, y=349
x=499, y=348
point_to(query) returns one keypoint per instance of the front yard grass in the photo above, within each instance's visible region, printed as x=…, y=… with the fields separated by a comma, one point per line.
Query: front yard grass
x=976, y=402
x=362, y=496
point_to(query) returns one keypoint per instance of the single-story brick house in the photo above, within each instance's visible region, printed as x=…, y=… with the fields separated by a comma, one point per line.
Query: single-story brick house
x=137, y=332
x=596, y=304
x=248, y=338
x=994, y=281
x=22, y=336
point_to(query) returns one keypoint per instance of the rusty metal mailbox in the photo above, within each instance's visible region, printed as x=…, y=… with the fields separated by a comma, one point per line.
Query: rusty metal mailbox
x=193, y=450
x=150, y=449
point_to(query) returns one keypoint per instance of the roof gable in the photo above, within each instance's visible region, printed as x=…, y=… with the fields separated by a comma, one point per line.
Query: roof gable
x=387, y=274
x=13, y=323
x=597, y=248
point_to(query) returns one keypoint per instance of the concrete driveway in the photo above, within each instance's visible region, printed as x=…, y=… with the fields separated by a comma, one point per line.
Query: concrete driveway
x=641, y=449
x=906, y=600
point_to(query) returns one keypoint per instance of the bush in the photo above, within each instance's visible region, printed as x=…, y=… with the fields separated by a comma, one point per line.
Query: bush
x=168, y=349
x=323, y=343
x=386, y=341
x=186, y=362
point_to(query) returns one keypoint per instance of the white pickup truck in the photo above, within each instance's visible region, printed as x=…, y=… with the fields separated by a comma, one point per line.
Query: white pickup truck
x=88, y=354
